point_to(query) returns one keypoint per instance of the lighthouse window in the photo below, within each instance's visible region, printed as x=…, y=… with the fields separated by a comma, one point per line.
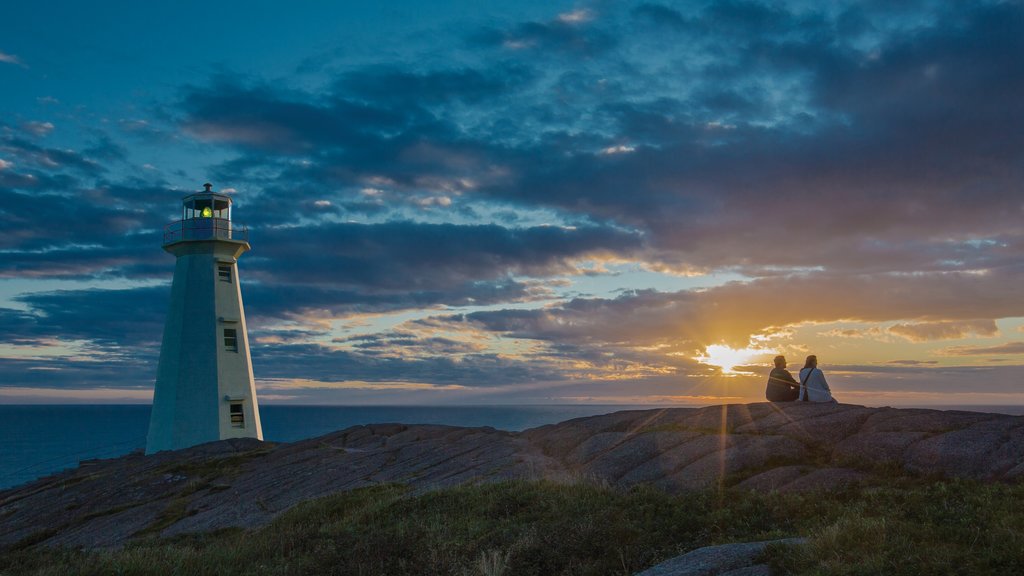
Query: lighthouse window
x=224, y=273
x=237, y=415
x=231, y=340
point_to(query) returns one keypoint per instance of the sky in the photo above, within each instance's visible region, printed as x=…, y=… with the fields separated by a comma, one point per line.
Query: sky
x=456, y=202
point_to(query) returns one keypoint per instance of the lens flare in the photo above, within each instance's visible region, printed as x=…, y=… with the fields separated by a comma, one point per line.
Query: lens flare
x=728, y=358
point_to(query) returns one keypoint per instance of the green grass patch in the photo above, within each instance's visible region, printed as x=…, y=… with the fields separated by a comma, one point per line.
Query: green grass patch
x=905, y=526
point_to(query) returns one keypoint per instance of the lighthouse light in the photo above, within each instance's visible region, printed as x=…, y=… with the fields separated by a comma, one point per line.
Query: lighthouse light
x=207, y=212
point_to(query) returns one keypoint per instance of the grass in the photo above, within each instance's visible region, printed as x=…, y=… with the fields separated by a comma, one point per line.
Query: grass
x=901, y=526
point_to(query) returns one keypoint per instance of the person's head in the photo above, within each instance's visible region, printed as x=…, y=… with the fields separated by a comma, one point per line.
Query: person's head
x=812, y=362
x=780, y=361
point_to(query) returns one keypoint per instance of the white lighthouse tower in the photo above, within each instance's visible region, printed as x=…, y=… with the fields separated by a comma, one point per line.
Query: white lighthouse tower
x=204, y=384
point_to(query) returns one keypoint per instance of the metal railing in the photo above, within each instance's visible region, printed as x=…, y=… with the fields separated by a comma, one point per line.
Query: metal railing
x=204, y=229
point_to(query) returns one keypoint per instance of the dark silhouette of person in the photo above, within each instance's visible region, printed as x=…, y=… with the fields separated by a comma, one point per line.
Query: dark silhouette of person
x=782, y=387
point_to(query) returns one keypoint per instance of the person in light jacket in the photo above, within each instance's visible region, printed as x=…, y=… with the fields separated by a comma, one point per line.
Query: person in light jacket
x=813, y=386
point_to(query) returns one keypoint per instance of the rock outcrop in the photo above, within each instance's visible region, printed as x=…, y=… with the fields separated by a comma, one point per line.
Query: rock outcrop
x=740, y=559
x=246, y=483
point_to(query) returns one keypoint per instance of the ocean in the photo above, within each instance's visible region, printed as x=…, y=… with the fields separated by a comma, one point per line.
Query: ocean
x=37, y=440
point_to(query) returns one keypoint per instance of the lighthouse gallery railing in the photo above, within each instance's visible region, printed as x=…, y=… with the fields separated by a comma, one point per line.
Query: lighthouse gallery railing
x=204, y=229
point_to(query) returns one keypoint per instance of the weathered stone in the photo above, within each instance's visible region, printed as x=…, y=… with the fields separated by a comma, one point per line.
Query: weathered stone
x=921, y=420
x=559, y=439
x=666, y=462
x=825, y=479
x=876, y=447
x=727, y=418
x=757, y=570
x=740, y=453
x=594, y=446
x=827, y=428
x=716, y=560
x=778, y=416
x=774, y=479
x=634, y=452
x=982, y=451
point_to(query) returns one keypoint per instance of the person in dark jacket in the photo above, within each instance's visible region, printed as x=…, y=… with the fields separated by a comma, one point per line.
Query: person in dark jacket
x=782, y=387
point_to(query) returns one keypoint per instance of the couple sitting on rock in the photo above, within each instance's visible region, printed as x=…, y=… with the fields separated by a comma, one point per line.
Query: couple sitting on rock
x=811, y=387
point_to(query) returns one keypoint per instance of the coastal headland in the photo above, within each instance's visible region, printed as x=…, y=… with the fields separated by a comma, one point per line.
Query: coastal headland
x=744, y=447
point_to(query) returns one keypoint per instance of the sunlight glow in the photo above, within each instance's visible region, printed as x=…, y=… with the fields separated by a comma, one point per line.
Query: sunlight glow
x=728, y=358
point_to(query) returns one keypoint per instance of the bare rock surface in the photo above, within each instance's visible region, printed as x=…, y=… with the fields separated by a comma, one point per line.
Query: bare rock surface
x=763, y=446
x=726, y=559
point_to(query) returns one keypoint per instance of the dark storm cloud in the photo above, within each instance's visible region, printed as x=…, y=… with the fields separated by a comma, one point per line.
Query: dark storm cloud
x=412, y=256
x=78, y=373
x=925, y=134
x=19, y=327
x=349, y=268
x=130, y=318
x=387, y=343
x=309, y=303
x=31, y=157
x=84, y=339
x=81, y=231
x=307, y=274
x=327, y=364
x=391, y=85
x=266, y=119
x=876, y=149
x=660, y=14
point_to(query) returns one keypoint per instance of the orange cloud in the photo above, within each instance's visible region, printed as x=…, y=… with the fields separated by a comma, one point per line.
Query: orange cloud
x=948, y=330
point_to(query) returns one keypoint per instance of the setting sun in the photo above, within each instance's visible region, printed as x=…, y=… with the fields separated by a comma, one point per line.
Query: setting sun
x=728, y=358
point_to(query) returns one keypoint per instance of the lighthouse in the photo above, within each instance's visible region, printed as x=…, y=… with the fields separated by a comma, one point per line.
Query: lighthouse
x=204, y=384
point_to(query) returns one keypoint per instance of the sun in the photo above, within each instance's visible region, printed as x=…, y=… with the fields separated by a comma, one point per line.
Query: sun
x=728, y=358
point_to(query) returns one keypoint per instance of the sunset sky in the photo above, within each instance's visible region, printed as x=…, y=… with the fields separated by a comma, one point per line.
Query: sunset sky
x=523, y=202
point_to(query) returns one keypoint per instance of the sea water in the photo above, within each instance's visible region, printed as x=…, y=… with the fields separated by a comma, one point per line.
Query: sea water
x=42, y=439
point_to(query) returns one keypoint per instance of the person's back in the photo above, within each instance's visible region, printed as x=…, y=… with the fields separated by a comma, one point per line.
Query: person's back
x=813, y=387
x=781, y=385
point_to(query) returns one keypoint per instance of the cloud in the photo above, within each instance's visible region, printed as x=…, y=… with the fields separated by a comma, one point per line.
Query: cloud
x=130, y=318
x=393, y=85
x=847, y=164
x=11, y=59
x=1008, y=348
x=569, y=34
x=734, y=312
x=61, y=228
x=36, y=128
x=874, y=332
x=16, y=395
x=720, y=173
x=411, y=255
x=48, y=161
x=575, y=16
x=927, y=331
x=659, y=15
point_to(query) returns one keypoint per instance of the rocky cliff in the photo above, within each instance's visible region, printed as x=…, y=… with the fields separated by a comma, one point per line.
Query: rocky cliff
x=246, y=483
